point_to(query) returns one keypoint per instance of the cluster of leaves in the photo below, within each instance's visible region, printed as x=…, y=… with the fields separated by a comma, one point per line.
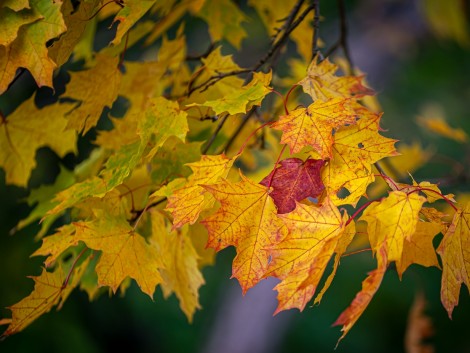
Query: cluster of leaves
x=160, y=192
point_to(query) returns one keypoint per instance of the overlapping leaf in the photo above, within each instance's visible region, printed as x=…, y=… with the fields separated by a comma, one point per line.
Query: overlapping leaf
x=369, y=287
x=322, y=83
x=300, y=259
x=187, y=203
x=392, y=221
x=455, y=254
x=22, y=133
x=355, y=149
x=95, y=89
x=29, y=49
x=313, y=126
x=247, y=219
x=294, y=180
x=180, y=265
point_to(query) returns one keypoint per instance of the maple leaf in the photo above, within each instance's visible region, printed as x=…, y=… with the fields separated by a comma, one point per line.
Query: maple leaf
x=454, y=250
x=392, y=221
x=369, y=287
x=355, y=149
x=247, y=219
x=243, y=99
x=300, y=259
x=16, y=5
x=322, y=83
x=343, y=243
x=124, y=252
x=29, y=49
x=95, y=88
x=419, y=327
x=76, y=24
x=224, y=19
x=180, y=265
x=49, y=290
x=42, y=197
x=173, y=158
x=313, y=126
x=130, y=13
x=187, y=203
x=163, y=118
x=294, y=180
x=419, y=248
x=12, y=20
x=22, y=133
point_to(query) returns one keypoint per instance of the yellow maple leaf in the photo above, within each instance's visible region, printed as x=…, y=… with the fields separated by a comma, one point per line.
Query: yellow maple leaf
x=392, y=221
x=50, y=289
x=180, y=270
x=441, y=127
x=455, y=254
x=313, y=126
x=29, y=49
x=95, y=88
x=343, y=243
x=419, y=248
x=322, y=83
x=247, y=219
x=12, y=20
x=243, y=99
x=16, y=5
x=355, y=149
x=125, y=253
x=23, y=132
x=186, y=204
x=62, y=48
x=128, y=15
x=224, y=19
x=369, y=287
x=300, y=259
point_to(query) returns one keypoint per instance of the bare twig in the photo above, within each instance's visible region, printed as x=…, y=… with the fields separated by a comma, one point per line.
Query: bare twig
x=238, y=130
x=203, y=55
x=215, y=133
x=316, y=27
x=344, y=35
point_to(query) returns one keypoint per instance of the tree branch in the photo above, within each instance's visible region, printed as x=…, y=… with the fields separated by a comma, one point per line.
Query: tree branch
x=316, y=27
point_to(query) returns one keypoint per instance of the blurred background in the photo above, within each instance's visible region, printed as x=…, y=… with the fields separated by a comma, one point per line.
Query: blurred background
x=418, y=60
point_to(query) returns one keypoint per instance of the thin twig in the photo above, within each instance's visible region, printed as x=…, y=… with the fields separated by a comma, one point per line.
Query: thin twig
x=138, y=213
x=238, y=130
x=316, y=27
x=215, y=133
x=344, y=35
x=201, y=56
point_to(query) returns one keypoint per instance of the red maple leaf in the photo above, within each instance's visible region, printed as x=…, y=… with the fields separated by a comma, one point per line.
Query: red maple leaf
x=294, y=180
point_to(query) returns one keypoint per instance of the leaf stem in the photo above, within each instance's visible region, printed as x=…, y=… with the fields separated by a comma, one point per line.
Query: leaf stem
x=356, y=252
x=275, y=166
x=436, y=192
x=360, y=209
x=67, y=279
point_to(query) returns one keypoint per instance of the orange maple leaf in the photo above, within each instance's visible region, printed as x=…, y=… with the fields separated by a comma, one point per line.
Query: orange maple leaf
x=369, y=287
x=247, y=219
x=313, y=126
x=301, y=258
x=322, y=83
x=187, y=203
x=455, y=254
